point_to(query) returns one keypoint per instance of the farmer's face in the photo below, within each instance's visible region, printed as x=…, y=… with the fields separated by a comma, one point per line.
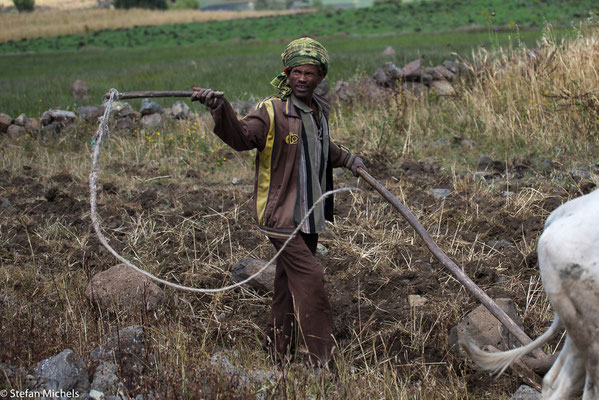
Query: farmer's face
x=303, y=79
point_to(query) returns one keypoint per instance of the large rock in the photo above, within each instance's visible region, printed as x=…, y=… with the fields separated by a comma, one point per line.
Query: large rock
x=248, y=266
x=388, y=75
x=79, y=90
x=323, y=88
x=90, y=113
x=21, y=120
x=151, y=121
x=121, y=109
x=5, y=122
x=483, y=329
x=32, y=125
x=16, y=131
x=66, y=369
x=453, y=66
x=62, y=117
x=180, y=110
x=124, y=288
x=126, y=348
x=149, y=106
x=443, y=73
x=412, y=70
x=442, y=88
x=105, y=378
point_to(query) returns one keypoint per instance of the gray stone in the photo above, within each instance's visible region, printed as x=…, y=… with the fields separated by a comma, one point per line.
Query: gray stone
x=5, y=122
x=426, y=79
x=236, y=181
x=344, y=91
x=126, y=124
x=442, y=88
x=33, y=125
x=21, y=120
x=79, y=90
x=96, y=395
x=61, y=116
x=368, y=88
x=121, y=109
x=67, y=369
x=16, y=131
x=322, y=89
x=90, y=113
x=441, y=142
x=149, y=106
x=180, y=110
x=483, y=329
x=127, y=343
x=151, y=121
x=52, y=128
x=381, y=78
x=389, y=51
x=392, y=71
x=105, y=378
x=440, y=193
x=123, y=288
x=322, y=249
x=413, y=70
x=526, y=393
x=452, y=66
x=248, y=266
x=442, y=73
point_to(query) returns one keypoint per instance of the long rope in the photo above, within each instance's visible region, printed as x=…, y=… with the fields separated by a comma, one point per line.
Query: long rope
x=93, y=178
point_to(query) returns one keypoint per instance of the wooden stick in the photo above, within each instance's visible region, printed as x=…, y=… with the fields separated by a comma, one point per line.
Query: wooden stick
x=157, y=93
x=449, y=264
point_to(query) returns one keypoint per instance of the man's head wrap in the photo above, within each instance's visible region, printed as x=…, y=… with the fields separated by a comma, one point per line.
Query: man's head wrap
x=300, y=52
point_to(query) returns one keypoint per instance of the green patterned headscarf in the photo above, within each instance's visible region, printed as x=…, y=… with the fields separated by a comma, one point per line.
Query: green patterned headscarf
x=300, y=52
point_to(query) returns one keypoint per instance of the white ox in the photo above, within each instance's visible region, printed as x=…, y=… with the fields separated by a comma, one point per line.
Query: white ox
x=568, y=253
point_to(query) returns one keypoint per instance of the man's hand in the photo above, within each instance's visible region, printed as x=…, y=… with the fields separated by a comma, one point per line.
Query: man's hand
x=208, y=97
x=355, y=164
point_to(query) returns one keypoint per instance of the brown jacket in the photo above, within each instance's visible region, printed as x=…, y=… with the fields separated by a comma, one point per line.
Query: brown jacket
x=274, y=128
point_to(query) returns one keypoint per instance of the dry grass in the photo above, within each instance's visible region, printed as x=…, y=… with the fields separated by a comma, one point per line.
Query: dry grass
x=54, y=22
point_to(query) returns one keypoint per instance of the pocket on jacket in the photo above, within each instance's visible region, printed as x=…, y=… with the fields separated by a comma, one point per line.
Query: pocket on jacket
x=270, y=206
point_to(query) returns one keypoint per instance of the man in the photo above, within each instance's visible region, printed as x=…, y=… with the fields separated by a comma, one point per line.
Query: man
x=294, y=167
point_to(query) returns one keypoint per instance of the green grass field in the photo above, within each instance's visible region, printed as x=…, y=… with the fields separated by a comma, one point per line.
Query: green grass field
x=242, y=70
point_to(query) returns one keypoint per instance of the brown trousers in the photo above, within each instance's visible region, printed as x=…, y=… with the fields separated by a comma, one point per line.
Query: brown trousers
x=301, y=313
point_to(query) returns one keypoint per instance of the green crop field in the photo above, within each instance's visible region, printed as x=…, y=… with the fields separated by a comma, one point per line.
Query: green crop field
x=241, y=56
x=242, y=70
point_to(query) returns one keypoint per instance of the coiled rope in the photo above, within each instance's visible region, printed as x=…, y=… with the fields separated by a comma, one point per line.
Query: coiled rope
x=102, y=131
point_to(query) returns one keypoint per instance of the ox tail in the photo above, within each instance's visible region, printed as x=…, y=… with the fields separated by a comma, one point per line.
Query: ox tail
x=497, y=363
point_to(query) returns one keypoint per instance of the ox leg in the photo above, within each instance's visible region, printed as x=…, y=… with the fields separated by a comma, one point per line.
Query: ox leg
x=565, y=378
x=591, y=386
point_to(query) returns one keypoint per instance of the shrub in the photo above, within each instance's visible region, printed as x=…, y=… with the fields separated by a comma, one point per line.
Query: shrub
x=152, y=4
x=24, y=5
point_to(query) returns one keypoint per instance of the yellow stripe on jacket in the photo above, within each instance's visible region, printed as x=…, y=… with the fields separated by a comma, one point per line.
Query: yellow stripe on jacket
x=264, y=165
